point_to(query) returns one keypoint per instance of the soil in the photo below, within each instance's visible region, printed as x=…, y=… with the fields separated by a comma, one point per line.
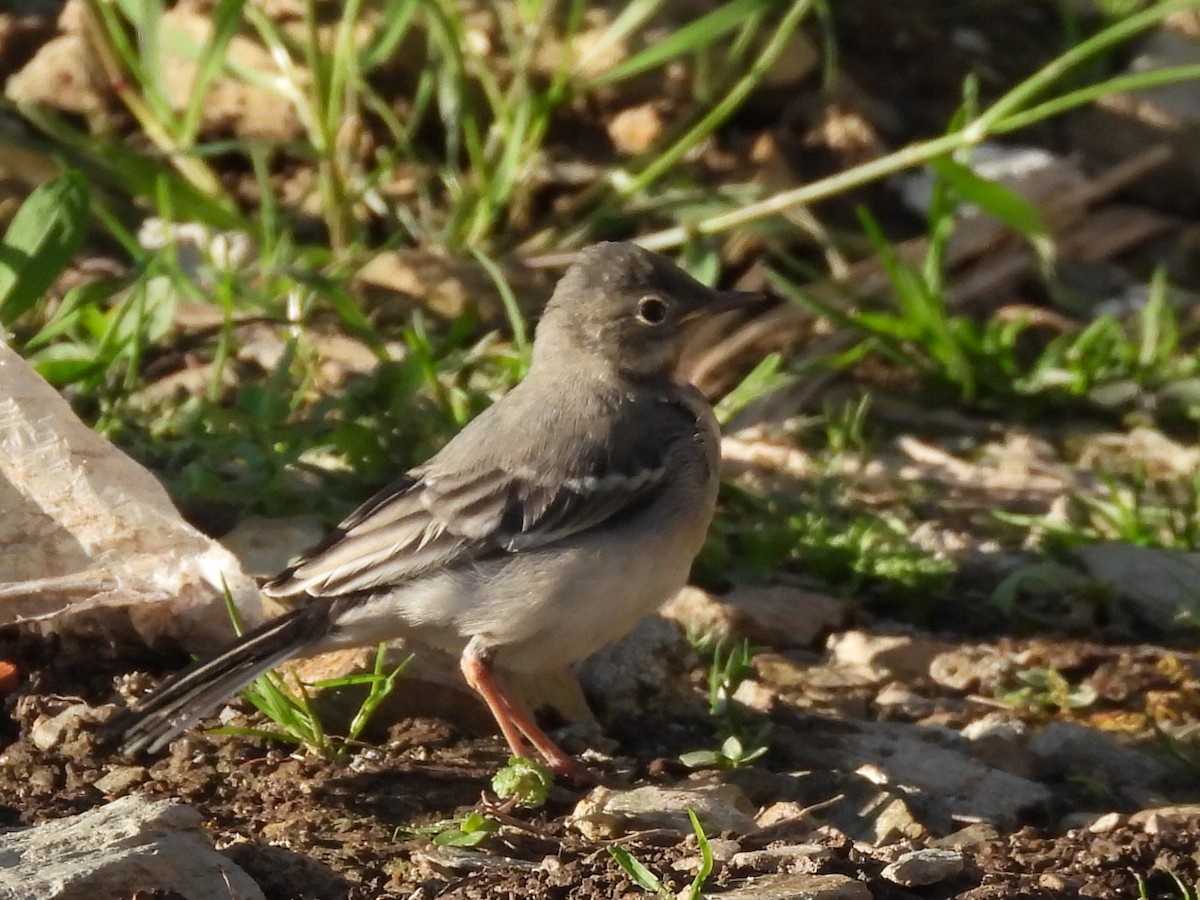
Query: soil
x=360, y=826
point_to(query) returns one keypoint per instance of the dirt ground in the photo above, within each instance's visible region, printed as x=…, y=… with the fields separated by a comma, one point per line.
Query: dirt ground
x=304, y=827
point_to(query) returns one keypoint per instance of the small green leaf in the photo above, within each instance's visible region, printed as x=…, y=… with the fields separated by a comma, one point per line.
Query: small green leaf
x=471, y=832
x=525, y=779
x=44, y=235
x=700, y=759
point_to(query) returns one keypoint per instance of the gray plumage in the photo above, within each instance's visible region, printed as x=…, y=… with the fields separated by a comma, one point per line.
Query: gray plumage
x=547, y=527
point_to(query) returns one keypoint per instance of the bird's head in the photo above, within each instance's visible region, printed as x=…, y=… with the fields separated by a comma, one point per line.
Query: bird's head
x=621, y=307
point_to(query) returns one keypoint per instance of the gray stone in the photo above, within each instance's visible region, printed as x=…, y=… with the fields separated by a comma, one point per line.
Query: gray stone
x=118, y=781
x=604, y=814
x=926, y=866
x=1160, y=585
x=930, y=767
x=1066, y=747
x=798, y=887
x=641, y=664
x=794, y=858
x=126, y=847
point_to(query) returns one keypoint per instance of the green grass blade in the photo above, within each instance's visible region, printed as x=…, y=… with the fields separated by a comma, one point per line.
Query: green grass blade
x=226, y=19
x=688, y=39
x=998, y=201
x=44, y=234
x=641, y=876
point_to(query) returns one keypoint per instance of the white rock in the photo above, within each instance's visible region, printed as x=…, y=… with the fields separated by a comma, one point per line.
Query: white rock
x=605, y=813
x=124, y=848
x=49, y=731
x=86, y=529
x=1107, y=822
x=883, y=657
x=926, y=866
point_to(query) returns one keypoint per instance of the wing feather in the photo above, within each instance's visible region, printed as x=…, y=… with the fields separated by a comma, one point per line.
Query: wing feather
x=433, y=518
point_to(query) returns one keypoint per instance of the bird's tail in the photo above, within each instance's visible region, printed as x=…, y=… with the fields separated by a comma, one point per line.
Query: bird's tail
x=197, y=690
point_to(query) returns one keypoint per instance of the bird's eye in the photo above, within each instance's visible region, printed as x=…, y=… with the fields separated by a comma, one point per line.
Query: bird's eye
x=652, y=310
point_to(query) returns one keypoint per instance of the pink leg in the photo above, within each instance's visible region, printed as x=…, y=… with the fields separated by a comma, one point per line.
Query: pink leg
x=512, y=719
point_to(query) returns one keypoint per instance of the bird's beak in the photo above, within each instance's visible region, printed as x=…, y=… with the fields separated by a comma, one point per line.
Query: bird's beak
x=724, y=301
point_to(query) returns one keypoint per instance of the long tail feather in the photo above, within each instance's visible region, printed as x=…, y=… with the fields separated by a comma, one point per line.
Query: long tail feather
x=197, y=690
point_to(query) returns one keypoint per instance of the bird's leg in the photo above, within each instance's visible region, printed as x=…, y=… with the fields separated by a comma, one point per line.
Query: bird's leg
x=514, y=721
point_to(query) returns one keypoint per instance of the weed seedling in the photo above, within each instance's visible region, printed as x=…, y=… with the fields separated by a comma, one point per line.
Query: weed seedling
x=1047, y=690
x=743, y=742
x=651, y=883
x=522, y=782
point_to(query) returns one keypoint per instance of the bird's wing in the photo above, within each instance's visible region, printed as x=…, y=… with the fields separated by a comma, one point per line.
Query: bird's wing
x=433, y=518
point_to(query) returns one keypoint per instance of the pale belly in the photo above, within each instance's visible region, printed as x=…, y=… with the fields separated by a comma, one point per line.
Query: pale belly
x=545, y=609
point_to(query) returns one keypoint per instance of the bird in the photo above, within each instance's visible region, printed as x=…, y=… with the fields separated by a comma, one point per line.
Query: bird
x=553, y=522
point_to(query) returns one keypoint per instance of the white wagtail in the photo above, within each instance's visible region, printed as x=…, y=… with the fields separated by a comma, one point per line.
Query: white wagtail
x=546, y=528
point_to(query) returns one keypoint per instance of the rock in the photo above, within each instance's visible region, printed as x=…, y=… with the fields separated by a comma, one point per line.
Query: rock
x=722, y=850
x=447, y=287
x=883, y=657
x=803, y=858
x=24, y=27
x=786, y=816
x=604, y=814
x=49, y=732
x=635, y=129
x=1067, y=748
x=925, y=866
x=1030, y=171
x=779, y=616
x=700, y=614
x=119, y=780
x=265, y=546
x=929, y=766
x=232, y=106
x=1179, y=811
x=782, y=616
x=59, y=75
x=1120, y=126
x=896, y=700
x=86, y=530
x=755, y=695
x=1000, y=740
x=798, y=887
x=641, y=664
x=1159, y=584
x=971, y=669
x=122, y=849
x=885, y=818
x=966, y=838
x=1106, y=822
